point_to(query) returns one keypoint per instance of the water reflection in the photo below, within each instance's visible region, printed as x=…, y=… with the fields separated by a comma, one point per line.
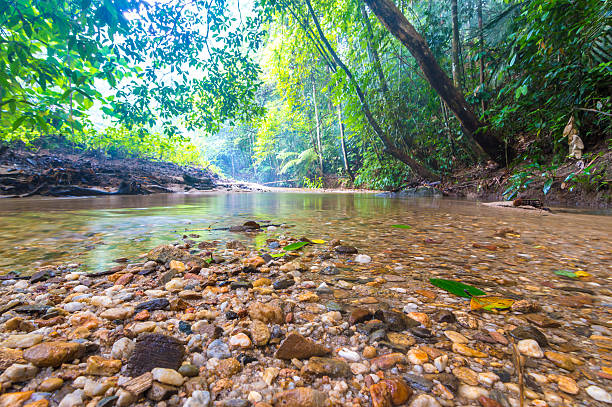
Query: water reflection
x=95, y=231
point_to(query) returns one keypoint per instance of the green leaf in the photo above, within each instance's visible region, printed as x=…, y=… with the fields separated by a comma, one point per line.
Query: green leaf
x=401, y=226
x=276, y=255
x=547, y=186
x=294, y=246
x=455, y=287
x=17, y=123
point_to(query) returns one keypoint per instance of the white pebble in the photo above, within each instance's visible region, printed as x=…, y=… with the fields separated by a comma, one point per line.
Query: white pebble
x=363, y=258
x=599, y=394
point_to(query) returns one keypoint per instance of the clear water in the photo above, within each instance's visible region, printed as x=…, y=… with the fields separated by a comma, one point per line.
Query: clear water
x=95, y=231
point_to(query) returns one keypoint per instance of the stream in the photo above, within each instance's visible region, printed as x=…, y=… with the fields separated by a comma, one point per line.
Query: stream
x=95, y=231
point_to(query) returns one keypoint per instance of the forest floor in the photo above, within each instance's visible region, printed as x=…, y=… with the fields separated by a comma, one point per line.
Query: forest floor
x=67, y=173
x=589, y=187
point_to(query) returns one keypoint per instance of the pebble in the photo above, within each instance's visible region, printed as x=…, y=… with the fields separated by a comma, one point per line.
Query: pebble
x=530, y=347
x=167, y=376
x=74, y=306
x=240, y=340
x=199, y=398
x=19, y=372
x=568, y=385
x=349, y=355
x=362, y=258
x=123, y=348
x=599, y=394
x=424, y=400
x=472, y=392
x=22, y=340
x=50, y=385
x=218, y=349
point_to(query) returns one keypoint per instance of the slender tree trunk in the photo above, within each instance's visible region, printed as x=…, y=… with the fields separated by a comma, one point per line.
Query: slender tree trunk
x=365, y=107
x=347, y=168
x=481, y=56
x=455, y=45
x=401, y=28
x=373, y=52
x=318, y=127
x=451, y=141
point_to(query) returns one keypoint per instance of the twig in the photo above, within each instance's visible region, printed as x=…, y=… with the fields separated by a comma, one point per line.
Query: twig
x=518, y=367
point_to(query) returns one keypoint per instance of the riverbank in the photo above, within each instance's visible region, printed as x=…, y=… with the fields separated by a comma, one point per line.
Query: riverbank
x=78, y=173
x=209, y=322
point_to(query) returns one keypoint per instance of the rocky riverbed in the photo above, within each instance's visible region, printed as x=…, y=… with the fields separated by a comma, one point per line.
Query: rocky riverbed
x=203, y=323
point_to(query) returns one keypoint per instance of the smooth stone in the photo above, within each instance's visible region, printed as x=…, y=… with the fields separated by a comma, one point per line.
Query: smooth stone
x=560, y=360
x=467, y=351
x=51, y=384
x=123, y=348
x=362, y=259
x=74, y=306
x=424, y=400
x=189, y=370
x=529, y=347
x=153, y=305
x=530, y=332
x=472, y=392
x=240, y=340
x=53, y=354
x=349, y=355
x=14, y=399
x=568, y=385
x=94, y=388
x=73, y=399
x=599, y=394
x=22, y=341
x=455, y=337
x=167, y=376
x=298, y=347
x=117, y=313
x=19, y=373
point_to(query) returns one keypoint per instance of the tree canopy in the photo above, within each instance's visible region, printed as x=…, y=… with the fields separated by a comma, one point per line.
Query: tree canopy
x=369, y=92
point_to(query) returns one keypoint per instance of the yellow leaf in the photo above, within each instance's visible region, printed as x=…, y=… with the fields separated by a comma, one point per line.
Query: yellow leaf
x=317, y=241
x=581, y=273
x=490, y=302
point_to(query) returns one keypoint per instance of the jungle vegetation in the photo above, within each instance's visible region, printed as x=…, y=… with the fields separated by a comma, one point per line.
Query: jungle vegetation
x=367, y=92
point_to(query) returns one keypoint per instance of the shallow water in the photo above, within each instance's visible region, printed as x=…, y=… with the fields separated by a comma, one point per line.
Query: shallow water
x=95, y=231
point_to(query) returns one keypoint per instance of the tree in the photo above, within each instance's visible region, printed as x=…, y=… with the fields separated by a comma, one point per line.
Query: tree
x=401, y=28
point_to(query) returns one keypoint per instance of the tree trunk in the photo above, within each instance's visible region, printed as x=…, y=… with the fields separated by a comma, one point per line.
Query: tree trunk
x=365, y=107
x=401, y=28
x=318, y=128
x=455, y=45
x=373, y=52
x=481, y=56
x=347, y=168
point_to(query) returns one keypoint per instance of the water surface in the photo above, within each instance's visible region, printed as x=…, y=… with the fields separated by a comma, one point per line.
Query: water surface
x=95, y=231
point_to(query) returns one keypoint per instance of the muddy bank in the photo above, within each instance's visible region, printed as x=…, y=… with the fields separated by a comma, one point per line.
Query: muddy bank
x=65, y=173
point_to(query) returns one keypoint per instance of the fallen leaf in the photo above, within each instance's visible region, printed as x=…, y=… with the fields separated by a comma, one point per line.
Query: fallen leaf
x=294, y=246
x=455, y=287
x=571, y=274
x=401, y=226
x=318, y=241
x=490, y=303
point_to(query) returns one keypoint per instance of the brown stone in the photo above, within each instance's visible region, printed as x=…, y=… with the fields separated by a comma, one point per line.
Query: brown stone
x=270, y=314
x=14, y=399
x=487, y=402
x=387, y=361
x=124, y=279
x=301, y=397
x=465, y=375
x=296, y=346
x=561, y=360
x=53, y=354
x=575, y=301
x=9, y=356
x=328, y=367
x=51, y=384
x=359, y=315
x=99, y=366
x=260, y=333
x=228, y=367
x=390, y=392
x=160, y=391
